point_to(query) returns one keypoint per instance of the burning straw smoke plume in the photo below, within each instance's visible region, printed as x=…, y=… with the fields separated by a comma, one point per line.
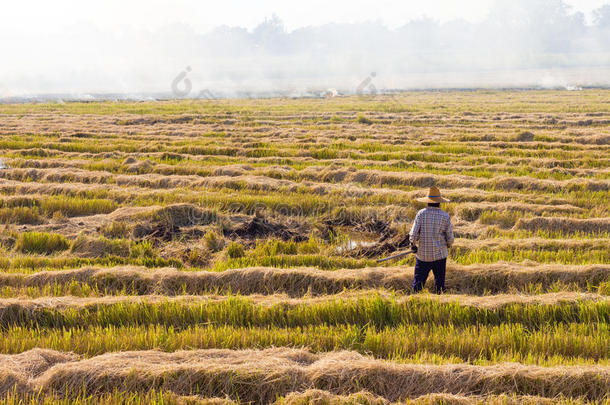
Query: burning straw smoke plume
x=541, y=43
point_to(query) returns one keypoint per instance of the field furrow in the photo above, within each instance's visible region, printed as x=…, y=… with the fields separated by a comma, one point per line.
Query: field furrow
x=262, y=376
x=295, y=281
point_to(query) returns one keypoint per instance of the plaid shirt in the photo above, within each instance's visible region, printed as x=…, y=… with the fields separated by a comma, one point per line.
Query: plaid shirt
x=433, y=230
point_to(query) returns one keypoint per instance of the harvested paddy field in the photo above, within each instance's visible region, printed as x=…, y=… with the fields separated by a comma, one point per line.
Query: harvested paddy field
x=224, y=251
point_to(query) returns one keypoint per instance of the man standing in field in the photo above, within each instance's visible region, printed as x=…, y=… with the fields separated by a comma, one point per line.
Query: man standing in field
x=432, y=232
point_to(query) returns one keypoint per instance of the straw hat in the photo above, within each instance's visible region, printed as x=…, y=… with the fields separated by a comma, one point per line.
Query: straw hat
x=434, y=196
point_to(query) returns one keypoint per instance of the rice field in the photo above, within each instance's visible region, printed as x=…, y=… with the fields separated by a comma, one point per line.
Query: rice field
x=224, y=251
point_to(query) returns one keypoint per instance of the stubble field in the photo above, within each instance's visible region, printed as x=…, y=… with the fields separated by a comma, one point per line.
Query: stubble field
x=224, y=251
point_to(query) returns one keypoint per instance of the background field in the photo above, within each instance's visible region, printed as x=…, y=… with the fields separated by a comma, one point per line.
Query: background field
x=224, y=250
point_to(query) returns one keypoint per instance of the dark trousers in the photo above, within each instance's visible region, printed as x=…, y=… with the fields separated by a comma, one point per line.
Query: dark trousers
x=422, y=269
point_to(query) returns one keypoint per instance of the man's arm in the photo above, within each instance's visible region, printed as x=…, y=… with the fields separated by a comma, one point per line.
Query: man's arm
x=415, y=229
x=449, y=233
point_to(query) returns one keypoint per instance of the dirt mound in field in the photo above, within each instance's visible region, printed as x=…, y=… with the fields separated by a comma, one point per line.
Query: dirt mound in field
x=169, y=221
x=524, y=136
x=185, y=215
x=564, y=225
x=387, y=244
x=261, y=376
x=260, y=227
x=162, y=231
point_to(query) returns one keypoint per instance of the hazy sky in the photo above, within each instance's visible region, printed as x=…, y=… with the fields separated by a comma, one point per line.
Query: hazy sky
x=40, y=16
x=142, y=46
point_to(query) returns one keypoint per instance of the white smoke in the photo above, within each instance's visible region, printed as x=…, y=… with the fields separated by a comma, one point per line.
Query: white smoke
x=533, y=43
